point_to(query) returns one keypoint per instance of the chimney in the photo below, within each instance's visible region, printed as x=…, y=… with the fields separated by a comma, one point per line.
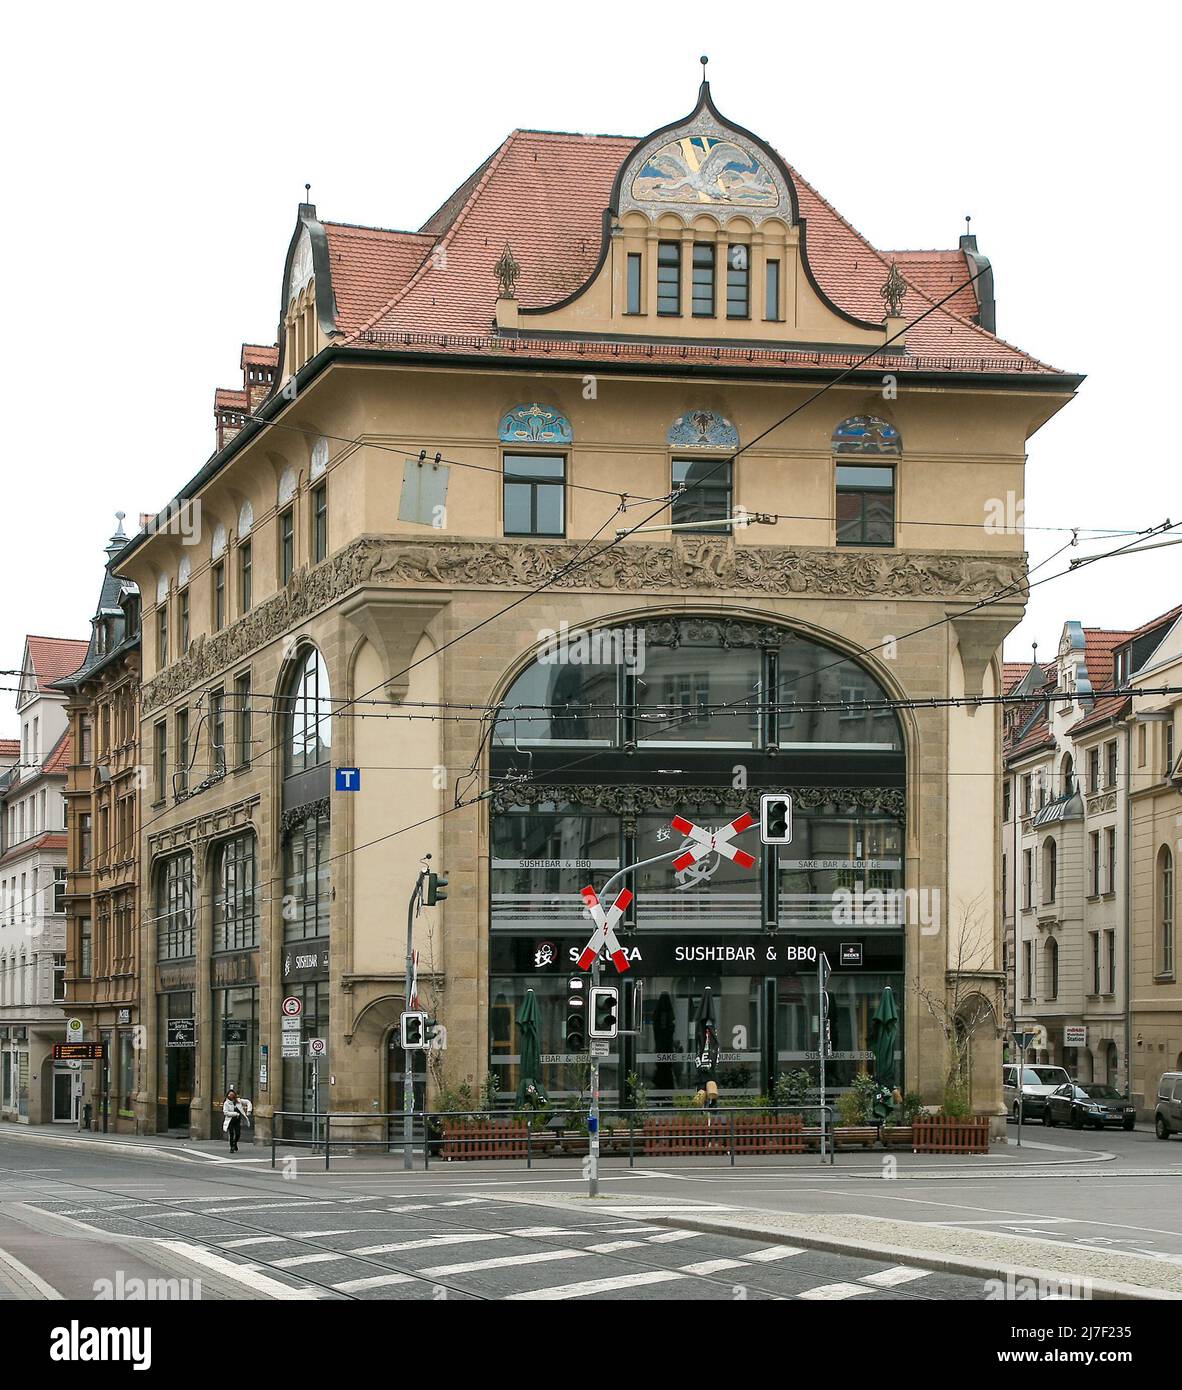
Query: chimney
x=259, y=366
x=230, y=409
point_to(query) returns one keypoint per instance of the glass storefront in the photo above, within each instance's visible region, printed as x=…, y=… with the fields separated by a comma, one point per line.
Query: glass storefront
x=235, y=1042
x=298, y=1091
x=176, y=1058
x=678, y=723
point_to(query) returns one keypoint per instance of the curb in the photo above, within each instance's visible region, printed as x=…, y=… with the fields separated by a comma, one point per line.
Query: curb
x=905, y=1255
x=104, y=1145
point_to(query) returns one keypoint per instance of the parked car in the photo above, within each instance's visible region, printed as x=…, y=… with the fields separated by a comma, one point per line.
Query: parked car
x=1167, y=1117
x=1037, y=1084
x=1088, y=1104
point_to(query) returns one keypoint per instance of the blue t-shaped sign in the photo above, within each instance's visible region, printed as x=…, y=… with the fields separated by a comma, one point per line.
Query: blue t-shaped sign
x=348, y=779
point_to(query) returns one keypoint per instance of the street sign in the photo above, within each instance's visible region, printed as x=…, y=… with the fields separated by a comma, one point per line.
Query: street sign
x=317, y=1047
x=292, y=1007
x=1024, y=1040
x=74, y=1030
x=599, y=1047
x=79, y=1052
x=1075, y=1035
x=713, y=841
x=348, y=779
x=605, y=929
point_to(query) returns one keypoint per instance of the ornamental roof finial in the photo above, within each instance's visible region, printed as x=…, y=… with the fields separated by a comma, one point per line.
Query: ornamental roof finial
x=892, y=292
x=508, y=272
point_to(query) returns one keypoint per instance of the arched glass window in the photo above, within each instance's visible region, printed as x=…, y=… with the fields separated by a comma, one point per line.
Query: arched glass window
x=1068, y=785
x=1165, y=892
x=174, y=908
x=307, y=707
x=1052, y=972
x=235, y=909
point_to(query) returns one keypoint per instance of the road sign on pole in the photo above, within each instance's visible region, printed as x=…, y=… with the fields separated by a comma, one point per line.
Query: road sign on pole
x=713, y=841
x=292, y=1007
x=605, y=929
x=348, y=779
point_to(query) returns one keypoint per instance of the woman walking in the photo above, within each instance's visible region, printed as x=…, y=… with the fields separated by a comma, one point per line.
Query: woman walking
x=234, y=1112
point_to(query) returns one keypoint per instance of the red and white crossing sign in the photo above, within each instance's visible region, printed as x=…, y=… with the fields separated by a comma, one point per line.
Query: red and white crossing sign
x=713, y=841
x=605, y=929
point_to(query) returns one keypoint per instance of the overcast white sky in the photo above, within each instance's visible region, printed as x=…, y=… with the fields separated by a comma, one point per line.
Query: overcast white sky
x=153, y=171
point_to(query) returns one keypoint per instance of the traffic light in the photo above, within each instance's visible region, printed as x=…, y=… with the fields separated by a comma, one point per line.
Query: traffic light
x=434, y=1034
x=605, y=1011
x=576, y=1017
x=414, y=1031
x=436, y=889
x=775, y=818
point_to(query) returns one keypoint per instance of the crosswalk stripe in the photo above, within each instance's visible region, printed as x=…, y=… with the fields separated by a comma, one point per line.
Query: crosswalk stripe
x=250, y=1240
x=666, y=1236
x=313, y=1235
x=465, y=1202
x=774, y=1252
x=593, y=1286
x=609, y=1247
x=712, y=1266
x=321, y=1257
x=897, y=1274
x=466, y=1238
x=829, y=1292
x=504, y=1262
x=374, y=1281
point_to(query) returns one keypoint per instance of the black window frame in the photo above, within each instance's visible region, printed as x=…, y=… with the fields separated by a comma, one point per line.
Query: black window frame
x=183, y=618
x=235, y=893
x=176, y=928
x=286, y=545
x=535, y=484
x=738, y=277
x=245, y=576
x=634, y=282
x=864, y=492
x=217, y=584
x=721, y=485
x=242, y=702
x=668, y=285
x=771, y=294
x=320, y=522
x=704, y=274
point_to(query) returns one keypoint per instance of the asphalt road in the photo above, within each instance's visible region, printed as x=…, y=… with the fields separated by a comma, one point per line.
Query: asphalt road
x=71, y=1220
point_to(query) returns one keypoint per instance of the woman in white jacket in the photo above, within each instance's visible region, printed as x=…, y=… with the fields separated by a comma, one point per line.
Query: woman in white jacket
x=234, y=1111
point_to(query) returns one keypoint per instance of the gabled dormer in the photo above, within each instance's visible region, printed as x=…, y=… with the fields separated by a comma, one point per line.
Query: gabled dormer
x=307, y=311
x=703, y=240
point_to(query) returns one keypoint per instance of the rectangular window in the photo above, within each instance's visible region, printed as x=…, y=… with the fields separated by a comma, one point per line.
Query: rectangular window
x=865, y=504
x=1095, y=962
x=219, y=596
x=738, y=283
x=307, y=880
x=59, y=890
x=181, y=780
x=1142, y=742
x=84, y=844
x=235, y=911
x=85, y=948
x=1026, y=794
x=535, y=495
x=703, y=281
x=771, y=305
x=174, y=908
x=708, y=492
x=669, y=277
x=217, y=732
x=160, y=756
x=1093, y=769
x=319, y=523
x=59, y=978
x=286, y=545
x=1005, y=884
x=85, y=749
x=1027, y=877
x=1110, y=958
x=183, y=615
x=1110, y=750
x=1027, y=970
x=1169, y=748
x=242, y=701
x=634, y=271
x=1006, y=799
x=162, y=634
x=1094, y=863
x=1110, y=858
x=245, y=576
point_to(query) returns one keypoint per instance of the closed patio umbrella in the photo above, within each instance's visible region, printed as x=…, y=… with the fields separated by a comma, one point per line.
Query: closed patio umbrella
x=529, y=1045
x=884, y=1031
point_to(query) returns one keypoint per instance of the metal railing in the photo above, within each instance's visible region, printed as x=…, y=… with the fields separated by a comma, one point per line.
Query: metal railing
x=482, y=1134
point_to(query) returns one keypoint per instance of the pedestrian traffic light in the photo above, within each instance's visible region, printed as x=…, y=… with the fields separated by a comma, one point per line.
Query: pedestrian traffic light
x=414, y=1031
x=434, y=1034
x=436, y=889
x=605, y=1011
x=775, y=818
x=576, y=1017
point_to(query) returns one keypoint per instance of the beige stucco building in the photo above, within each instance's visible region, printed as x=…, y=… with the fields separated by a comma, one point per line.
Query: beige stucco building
x=424, y=484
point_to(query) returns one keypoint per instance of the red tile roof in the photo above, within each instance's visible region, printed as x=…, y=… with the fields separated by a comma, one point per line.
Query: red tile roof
x=226, y=399
x=545, y=194
x=51, y=840
x=1106, y=707
x=10, y=747
x=1011, y=673
x=254, y=355
x=1156, y=622
x=59, y=758
x=1099, y=645
x=50, y=658
x=937, y=273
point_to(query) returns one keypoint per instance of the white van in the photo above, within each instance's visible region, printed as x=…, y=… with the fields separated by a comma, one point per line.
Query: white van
x=1037, y=1084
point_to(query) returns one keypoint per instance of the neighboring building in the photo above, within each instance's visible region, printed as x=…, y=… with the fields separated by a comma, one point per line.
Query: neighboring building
x=102, y=964
x=33, y=1089
x=1068, y=789
x=585, y=318
x=1156, y=839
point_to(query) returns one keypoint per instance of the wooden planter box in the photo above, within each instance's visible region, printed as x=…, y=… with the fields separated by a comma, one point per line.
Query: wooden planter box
x=466, y=1139
x=937, y=1134
x=855, y=1136
x=713, y=1134
x=898, y=1136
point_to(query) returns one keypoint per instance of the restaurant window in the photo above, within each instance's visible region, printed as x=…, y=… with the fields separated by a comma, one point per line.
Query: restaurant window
x=245, y=576
x=669, y=277
x=703, y=281
x=319, y=523
x=307, y=709
x=235, y=909
x=635, y=264
x=738, y=283
x=707, y=496
x=771, y=308
x=174, y=908
x=286, y=545
x=535, y=495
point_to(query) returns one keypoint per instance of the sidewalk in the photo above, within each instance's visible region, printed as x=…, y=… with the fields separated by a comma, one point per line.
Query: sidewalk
x=149, y=1145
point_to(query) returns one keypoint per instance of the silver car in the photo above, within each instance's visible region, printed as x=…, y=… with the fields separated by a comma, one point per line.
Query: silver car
x=1167, y=1117
x=1037, y=1084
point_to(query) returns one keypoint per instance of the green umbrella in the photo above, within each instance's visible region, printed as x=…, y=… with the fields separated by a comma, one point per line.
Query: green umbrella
x=529, y=1087
x=884, y=1030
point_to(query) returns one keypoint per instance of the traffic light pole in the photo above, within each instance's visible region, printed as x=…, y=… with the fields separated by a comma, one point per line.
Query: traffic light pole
x=408, y=1078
